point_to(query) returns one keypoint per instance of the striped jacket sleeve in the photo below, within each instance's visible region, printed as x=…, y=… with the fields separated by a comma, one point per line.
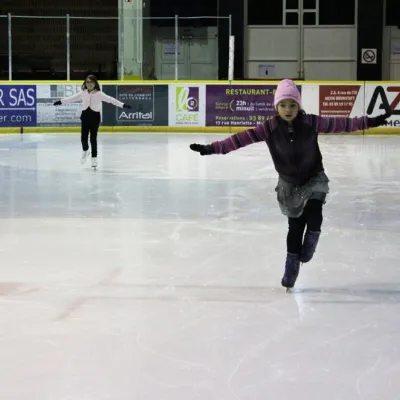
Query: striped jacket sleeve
x=242, y=139
x=339, y=124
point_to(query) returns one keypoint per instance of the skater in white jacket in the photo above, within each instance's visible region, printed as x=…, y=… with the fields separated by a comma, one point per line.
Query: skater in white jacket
x=91, y=97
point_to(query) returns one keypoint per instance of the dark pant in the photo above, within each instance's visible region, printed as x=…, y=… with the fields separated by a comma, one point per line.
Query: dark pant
x=311, y=218
x=90, y=125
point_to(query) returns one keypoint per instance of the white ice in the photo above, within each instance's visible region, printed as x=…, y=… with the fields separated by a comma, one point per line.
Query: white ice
x=157, y=277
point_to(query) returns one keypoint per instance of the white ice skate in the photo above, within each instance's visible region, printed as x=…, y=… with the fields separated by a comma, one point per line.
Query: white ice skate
x=85, y=155
x=94, y=162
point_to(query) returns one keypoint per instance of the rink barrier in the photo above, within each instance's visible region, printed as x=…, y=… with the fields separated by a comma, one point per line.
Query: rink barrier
x=189, y=106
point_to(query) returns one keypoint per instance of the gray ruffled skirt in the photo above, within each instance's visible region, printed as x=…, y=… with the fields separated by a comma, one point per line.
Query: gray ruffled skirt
x=293, y=198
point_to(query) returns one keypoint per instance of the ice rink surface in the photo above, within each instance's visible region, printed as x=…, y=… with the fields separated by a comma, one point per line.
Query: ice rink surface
x=157, y=277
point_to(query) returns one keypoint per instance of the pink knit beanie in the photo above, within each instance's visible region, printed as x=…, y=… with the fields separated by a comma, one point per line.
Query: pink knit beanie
x=287, y=90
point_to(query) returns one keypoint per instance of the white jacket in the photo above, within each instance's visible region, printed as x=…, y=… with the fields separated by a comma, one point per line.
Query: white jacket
x=92, y=99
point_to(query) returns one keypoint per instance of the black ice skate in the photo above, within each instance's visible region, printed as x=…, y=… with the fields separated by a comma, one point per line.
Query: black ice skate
x=292, y=269
x=309, y=246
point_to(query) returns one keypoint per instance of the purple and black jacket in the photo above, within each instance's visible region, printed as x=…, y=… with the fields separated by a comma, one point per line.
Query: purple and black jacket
x=295, y=152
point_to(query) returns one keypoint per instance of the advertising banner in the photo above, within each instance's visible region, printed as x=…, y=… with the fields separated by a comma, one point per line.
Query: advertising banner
x=187, y=105
x=382, y=98
x=17, y=105
x=142, y=99
x=192, y=105
x=341, y=100
x=64, y=115
x=239, y=105
x=149, y=105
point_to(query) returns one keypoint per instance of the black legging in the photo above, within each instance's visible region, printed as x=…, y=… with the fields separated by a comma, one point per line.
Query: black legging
x=311, y=217
x=90, y=124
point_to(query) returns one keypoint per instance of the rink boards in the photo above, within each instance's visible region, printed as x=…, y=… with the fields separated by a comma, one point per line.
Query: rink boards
x=189, y=106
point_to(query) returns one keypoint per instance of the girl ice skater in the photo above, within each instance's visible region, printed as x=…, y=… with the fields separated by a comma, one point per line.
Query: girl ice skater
x=292, y=138
x=91, y=97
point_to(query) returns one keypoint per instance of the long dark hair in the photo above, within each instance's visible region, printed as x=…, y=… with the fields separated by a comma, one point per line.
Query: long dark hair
x=301, y=112
x=93, y=79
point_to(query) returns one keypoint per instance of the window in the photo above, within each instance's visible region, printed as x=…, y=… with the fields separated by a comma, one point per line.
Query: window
x=292, y=4
x=292, y=18
x=264, y=13
x=321, y=12
x=310, y=4
x=295, y=9
x=338, y=12
x=309, y=18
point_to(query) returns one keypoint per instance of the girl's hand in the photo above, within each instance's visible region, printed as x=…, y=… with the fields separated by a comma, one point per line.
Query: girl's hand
x=57, y=103
x=204, y=150
x=126, y=106
x=381, y=119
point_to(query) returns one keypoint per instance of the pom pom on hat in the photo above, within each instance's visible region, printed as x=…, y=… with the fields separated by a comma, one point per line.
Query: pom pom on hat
x=287, y=90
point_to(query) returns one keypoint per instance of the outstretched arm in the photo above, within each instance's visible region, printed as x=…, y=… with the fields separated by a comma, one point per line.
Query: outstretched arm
x=109, y=99
x=346, y=125
x=71, y=99
x=241, y=139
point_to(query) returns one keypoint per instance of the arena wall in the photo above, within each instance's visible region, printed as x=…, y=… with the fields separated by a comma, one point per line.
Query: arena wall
x=191, y=106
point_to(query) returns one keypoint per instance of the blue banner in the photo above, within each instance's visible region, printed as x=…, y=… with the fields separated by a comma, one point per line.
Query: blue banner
x=17, y=105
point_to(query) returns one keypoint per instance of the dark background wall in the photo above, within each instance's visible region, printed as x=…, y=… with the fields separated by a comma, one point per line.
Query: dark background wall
x=370, y=36
x=39, y=45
